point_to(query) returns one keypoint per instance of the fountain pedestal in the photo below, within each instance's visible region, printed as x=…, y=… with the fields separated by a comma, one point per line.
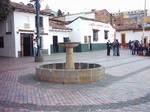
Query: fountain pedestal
x=69, y=54
x=69, y=59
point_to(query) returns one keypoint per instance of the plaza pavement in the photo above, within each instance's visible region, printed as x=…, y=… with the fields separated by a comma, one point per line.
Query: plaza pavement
x=125, y=88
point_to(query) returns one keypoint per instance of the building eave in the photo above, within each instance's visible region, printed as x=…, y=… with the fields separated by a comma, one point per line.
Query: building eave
x=60, y=30
x=133, y=29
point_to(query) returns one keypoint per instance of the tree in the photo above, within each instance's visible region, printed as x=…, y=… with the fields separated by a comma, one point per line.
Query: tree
x=5, y=8
x=59, y=13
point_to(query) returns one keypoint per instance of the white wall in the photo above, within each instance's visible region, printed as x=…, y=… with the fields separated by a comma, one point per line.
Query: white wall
x=22, y=18
x=130, y=35
x=49, y=39
x=9, y=41
x=88, y=26
x=75, y=35
x=45, y=23
x=83, y=28
x=46, y=38
x=148, y=13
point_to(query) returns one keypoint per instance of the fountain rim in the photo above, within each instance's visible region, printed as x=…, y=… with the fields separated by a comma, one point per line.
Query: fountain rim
x=40, y=66
x=69, y=44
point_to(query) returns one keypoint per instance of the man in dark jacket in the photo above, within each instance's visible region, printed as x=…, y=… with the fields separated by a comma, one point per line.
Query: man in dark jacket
x=108, y=47
x=117, y=47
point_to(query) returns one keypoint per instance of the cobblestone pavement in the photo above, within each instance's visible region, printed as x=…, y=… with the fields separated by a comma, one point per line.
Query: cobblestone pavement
x=125, y=88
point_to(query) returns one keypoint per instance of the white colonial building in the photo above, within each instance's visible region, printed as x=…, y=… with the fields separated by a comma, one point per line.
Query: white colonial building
x=91, y=33
x=58, y=32
x=18, y=31
x=89, y=30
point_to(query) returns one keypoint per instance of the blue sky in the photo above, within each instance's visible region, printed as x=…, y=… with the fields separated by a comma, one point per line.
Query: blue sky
x=75, y=6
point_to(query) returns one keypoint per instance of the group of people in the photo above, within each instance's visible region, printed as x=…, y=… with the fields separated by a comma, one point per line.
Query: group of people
x=114, y=46
x=138, y=47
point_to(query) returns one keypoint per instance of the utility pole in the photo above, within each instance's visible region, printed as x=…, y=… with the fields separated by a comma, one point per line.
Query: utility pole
x=38, y=57
x=143, y=19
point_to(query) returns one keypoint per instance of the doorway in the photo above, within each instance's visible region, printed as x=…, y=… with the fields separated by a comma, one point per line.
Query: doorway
x=87, y=40
x=123, y=40
x=26, y=44
x=55, y=44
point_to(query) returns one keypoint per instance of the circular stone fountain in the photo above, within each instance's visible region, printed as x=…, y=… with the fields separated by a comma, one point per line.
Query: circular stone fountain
x=70, y=72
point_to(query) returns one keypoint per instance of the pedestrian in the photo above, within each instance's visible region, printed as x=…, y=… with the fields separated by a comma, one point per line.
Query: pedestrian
x=108, y=47
x=148, y=49
x=34, y=47
x=130, y=45
x=136, y=44
x=133, y=47
x=117, y=47
x=114, y=48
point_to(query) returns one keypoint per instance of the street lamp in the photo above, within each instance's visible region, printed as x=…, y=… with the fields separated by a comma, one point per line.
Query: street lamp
x=38, y=57
x=143, y=18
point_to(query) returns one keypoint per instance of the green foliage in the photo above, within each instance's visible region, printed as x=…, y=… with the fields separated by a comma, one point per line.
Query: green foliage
x=5, y=8
x=59, y=13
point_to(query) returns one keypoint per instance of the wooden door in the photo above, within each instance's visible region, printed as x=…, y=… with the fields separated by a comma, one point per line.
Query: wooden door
x=55, y=44
x=26, y=44
x=123, y=40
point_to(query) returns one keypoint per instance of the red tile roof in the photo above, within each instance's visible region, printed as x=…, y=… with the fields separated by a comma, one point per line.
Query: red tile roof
x=57, y=24
x=26, y=8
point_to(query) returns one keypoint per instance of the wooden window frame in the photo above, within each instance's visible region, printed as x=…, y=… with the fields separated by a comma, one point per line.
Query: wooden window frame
x=1, y=42
x=95, y=35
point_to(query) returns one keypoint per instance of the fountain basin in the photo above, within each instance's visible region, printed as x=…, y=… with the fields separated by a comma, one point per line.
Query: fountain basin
x=69, y=44
x=83, y=73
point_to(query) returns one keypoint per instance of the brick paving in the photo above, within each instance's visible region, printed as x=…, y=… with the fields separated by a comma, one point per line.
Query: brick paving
x=125, y=88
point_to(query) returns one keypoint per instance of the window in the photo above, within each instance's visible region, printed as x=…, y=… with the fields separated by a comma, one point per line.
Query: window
x=95, y=35
x=40, y=21
x=106, y=34
x=85, y=39
x=8, y=27
x=89, y=37
x=66, y=39
x=123, y=38
x=1, y=42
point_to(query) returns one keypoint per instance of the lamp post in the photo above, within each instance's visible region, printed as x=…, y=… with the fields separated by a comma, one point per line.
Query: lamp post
x=143, y=18
x=38, y=57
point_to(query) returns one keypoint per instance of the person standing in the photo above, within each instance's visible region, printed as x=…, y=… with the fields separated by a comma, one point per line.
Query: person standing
x=117, y=47
x=130, y=45
x=108, y=47
x=133, y=47
x=34, y=47
x=114, y=48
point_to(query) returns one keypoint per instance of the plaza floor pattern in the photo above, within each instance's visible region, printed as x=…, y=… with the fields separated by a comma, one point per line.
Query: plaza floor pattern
x=125, y=88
